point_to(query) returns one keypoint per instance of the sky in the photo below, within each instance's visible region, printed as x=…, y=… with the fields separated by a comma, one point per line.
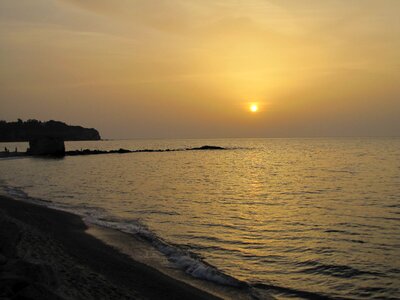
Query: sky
x=193, y=68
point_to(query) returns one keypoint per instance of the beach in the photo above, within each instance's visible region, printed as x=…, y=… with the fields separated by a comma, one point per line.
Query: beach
x=46, y=254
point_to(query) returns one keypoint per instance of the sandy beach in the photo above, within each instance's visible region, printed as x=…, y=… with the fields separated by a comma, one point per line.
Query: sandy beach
x=46, y=254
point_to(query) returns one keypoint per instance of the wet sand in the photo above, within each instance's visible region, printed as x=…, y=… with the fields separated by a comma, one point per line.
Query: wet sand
x=47, y=254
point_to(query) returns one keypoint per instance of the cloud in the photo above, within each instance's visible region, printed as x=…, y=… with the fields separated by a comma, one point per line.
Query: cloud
x=199, y=54
x=179, y=16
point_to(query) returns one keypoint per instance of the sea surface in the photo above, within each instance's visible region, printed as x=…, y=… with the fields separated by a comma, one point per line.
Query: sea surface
x=301, y=218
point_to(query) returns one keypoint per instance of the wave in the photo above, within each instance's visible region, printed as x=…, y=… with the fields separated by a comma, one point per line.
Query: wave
x=185, y=260
x=189, y=262
x=291, y=292
x=18, y=193
x=315, y=267
x=15, y=192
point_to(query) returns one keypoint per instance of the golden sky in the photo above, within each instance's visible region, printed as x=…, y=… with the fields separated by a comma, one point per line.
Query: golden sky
x=192, y=68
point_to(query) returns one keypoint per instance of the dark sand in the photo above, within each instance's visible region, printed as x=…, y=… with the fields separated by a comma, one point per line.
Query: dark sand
x=46, y=254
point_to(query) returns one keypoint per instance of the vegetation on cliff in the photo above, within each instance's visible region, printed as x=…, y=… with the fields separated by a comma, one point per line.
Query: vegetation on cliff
x=33, y=129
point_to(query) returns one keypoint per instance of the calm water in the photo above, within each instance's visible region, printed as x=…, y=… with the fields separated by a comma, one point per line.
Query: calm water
x=295, y=215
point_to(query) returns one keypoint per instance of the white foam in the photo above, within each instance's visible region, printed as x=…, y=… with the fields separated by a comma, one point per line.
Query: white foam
x=182, y=259
x=15, y=192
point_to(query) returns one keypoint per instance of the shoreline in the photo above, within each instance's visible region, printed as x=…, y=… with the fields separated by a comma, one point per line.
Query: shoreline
x=48, y=254
x=143, y=252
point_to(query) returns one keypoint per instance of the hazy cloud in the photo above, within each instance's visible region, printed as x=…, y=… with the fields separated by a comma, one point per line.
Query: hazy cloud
x=170, y=66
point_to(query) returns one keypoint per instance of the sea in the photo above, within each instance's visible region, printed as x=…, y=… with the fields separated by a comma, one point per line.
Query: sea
x=297, y=218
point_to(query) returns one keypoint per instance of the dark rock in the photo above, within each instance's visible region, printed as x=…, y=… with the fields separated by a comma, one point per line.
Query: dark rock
x=46, y=146
x=121, y=151
x=207, y=147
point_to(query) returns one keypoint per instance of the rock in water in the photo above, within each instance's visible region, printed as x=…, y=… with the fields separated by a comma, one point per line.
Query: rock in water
x=208, y=147
x=46, y=146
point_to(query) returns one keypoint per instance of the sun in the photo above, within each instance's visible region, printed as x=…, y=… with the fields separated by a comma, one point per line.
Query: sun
x=254, y=108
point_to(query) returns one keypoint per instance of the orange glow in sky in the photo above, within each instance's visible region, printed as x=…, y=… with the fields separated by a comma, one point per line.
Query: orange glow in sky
x=183, y=68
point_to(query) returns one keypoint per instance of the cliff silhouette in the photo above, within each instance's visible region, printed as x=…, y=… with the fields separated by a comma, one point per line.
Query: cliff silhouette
x=33, y=129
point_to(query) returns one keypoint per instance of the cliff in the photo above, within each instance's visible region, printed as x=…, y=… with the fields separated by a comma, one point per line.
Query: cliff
x=33, y=129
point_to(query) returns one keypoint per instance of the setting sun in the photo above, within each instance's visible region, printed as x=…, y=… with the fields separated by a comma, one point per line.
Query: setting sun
x=253, y=108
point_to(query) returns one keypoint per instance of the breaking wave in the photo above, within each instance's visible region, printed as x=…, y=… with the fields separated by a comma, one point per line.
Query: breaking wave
x=185, y=260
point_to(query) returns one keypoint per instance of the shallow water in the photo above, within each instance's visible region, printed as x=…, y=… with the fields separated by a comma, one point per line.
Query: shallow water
x=301, y=217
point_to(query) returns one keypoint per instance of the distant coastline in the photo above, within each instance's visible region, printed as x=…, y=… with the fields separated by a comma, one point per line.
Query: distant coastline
x=21, y=131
